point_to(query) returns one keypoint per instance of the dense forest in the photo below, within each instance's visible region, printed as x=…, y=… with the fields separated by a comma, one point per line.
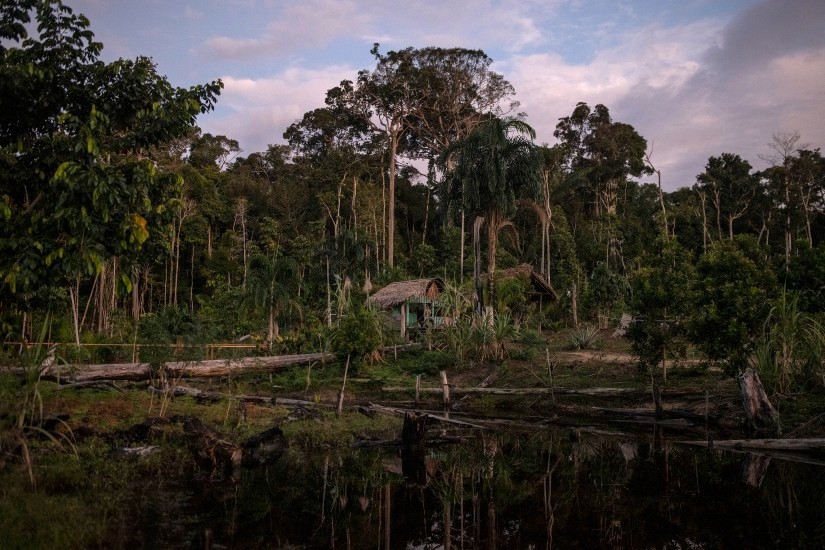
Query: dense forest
x=122, y=221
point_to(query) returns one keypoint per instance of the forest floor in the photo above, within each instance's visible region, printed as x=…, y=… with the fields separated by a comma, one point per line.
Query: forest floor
x=613, y=386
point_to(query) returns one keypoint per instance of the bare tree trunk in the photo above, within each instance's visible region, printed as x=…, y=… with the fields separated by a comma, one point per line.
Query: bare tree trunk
x=661, y=194
x=241, y=210
x=354, y=211
x=192, y=281
x=391, y=206
x=703, y=199
x=340, y=407
x=74, y=296
x=462, y=244
x=492, y=245
x=383, y=212
x=135, y=294
x=575, y=304
x=479, y=221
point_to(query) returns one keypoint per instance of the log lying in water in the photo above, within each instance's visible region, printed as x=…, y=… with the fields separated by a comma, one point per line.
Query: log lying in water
x=181, y=369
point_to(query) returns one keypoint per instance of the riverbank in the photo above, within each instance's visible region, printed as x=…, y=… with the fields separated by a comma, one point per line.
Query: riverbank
x=97, y=441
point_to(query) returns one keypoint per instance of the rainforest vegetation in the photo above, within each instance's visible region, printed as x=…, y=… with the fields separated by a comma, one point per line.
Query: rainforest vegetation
x=123, y=222
x=127, y=234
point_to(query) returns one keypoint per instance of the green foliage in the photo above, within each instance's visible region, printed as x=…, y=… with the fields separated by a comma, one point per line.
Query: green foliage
x=606, y=289
x=789, y=355
x=75, y=181
x=359, y=334
x=454, y=337
x=660, y=303
x=513, y=294
x=731, y=297
x=806, y=276
x=586, y=336
x=21, y=405
x=172, y=326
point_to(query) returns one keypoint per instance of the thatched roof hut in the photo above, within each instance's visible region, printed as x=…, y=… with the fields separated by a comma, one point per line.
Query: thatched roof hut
x=400, y=292
x=540, y=286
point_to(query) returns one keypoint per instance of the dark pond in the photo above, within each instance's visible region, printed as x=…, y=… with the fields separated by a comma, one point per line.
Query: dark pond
x=538, y=490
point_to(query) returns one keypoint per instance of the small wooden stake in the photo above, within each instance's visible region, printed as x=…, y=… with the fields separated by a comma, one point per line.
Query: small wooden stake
x=445, y=387
x=417, y=388
x=341, y=393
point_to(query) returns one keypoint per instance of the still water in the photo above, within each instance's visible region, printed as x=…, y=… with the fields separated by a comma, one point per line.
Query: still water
x=539, y=490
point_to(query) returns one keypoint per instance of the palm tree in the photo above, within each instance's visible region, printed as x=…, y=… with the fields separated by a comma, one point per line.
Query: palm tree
x=495, y=166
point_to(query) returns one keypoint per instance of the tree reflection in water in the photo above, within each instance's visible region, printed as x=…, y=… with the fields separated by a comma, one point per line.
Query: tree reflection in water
x=540, y=490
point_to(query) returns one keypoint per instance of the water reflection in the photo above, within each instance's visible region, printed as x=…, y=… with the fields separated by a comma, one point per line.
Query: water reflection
x=547, y=490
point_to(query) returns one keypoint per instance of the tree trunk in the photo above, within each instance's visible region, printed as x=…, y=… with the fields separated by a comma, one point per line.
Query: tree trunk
x=492, y=245
x=181, y=369
x=759, y=412
x=479, y=221
x=391, y=205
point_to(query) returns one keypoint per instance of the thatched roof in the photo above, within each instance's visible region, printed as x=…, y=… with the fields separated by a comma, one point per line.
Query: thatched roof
x=526, y=271
x=401, y=291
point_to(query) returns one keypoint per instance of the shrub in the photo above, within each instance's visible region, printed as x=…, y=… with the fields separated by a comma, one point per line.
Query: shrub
x=585, y=337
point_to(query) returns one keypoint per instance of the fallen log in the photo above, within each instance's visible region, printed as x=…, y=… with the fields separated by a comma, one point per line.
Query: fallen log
x=380, y=408
x=520, y=391
x=212, y=397
x=180, y=369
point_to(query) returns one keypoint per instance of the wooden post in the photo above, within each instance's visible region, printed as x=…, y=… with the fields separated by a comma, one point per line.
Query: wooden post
x=417, y=389
x=550, y=374
x=404, y=320
x=445, y=387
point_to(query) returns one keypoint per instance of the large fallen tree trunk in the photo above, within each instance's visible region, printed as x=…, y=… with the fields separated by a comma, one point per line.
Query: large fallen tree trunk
x=180, y=369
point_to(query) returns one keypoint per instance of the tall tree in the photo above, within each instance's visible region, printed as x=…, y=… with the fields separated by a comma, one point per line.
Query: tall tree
x=730, y=187
x=496, y=165
x=600, y=156
x=382, y=99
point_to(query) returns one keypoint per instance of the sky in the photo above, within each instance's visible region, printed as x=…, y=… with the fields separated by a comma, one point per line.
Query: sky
x=696, y=78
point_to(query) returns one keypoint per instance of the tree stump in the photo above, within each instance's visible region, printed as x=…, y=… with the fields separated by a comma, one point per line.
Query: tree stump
x=760, y=414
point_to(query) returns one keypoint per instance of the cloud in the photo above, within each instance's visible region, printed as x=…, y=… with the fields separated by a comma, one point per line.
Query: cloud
x=298, y=26
x=509, y=25
x=257, y=111
x=695, y=90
